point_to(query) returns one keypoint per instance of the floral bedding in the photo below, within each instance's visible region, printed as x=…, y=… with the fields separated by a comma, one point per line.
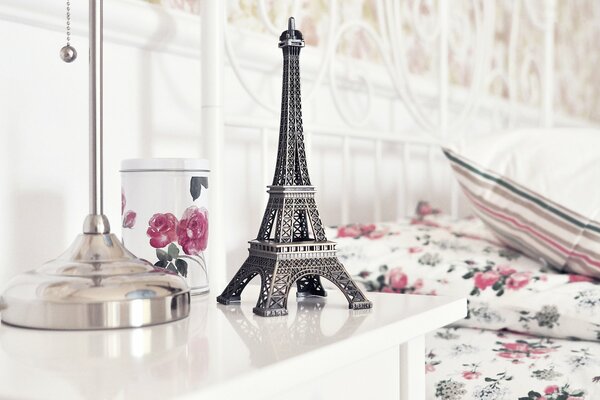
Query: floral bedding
x=531, y=333
x=434, y=255
x=476, y=364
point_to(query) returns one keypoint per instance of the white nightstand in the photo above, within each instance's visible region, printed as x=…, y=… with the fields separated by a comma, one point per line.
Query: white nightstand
x=321, y=350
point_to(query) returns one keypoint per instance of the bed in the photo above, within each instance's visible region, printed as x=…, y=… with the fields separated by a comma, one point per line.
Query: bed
x=529, y=333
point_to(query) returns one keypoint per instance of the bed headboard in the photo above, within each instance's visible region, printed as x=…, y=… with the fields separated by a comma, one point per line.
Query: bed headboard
x=380, y=95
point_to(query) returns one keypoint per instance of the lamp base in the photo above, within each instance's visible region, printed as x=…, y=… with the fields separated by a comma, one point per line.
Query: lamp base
x=96, y=284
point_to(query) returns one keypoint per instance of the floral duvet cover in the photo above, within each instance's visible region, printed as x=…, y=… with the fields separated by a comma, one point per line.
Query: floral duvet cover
x=557, y=315
x=477, y=364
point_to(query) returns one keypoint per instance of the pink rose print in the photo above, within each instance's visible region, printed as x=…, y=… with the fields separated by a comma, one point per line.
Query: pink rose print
x=484, y=280
x=374, y=235
x=424, y=209
x=123, y=201
x=367, y=229
x=192, y=232
x=522, y=349
x=540, y=351
x=579, y=278
x=349, y=231
x=431, y=361
x=398, y=280
x=424, y=222
x=505, y=270
x=500, y=278
x=418, y=284
x=357, y=231
x=392, y=280
x=470, y=375
x=129, y=219
x=162, y=230
x=517, y=281
x=554, y=392
x=551, y=389
x=511, y=355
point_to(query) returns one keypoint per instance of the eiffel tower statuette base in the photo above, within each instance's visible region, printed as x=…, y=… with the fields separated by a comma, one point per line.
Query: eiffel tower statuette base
x=280, y=266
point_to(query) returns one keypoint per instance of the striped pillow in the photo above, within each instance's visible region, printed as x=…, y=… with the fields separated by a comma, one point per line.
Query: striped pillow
x=535, y=219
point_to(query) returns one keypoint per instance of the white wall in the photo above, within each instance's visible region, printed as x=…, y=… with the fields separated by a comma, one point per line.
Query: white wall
x=152, y=108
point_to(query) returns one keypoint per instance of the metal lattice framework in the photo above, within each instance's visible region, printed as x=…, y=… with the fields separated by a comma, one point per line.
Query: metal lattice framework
x=291, y=246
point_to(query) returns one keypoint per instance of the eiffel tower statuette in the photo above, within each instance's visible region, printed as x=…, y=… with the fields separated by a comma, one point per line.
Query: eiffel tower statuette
x=291, y=246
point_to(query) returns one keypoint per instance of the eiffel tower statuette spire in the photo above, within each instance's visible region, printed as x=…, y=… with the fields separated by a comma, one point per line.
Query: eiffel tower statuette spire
x=291, y=247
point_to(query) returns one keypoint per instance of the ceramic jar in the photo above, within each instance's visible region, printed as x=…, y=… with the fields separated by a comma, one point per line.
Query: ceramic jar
x=164, y=215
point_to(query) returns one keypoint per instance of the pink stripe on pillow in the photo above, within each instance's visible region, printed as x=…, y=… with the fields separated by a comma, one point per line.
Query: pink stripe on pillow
x=524, y=227
x=542, y=228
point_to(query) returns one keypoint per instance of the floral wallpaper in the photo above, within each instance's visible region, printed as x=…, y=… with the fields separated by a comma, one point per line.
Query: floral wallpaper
x=577, y=41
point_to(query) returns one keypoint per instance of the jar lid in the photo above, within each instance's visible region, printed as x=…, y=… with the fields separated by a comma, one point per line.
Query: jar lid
x=165, y=164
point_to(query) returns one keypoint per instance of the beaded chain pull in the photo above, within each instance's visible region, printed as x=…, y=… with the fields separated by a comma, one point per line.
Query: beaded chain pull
x=68, y=53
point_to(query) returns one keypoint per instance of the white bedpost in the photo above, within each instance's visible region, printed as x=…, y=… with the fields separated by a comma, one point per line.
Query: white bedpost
x=444, y=96
x=443, y=68
x=213, y=25
x=346, y=192
x=549, y=21
x=378, y=181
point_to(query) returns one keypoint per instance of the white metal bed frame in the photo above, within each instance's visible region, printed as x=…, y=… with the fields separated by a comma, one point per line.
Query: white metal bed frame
x=216, y=45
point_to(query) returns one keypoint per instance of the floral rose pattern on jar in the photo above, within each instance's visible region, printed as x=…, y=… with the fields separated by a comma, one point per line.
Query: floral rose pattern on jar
x=127, y=218
x=164, y=216
x=162, y=230
x=192, y=232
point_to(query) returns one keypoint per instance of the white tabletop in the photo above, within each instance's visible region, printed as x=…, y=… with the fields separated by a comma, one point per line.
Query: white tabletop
x=217, y=350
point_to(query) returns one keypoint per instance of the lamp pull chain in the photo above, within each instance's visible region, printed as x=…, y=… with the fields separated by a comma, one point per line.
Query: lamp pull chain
x=68, y=53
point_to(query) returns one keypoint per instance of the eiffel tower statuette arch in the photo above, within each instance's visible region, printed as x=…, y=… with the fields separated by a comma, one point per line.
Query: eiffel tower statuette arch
x=291, y=246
